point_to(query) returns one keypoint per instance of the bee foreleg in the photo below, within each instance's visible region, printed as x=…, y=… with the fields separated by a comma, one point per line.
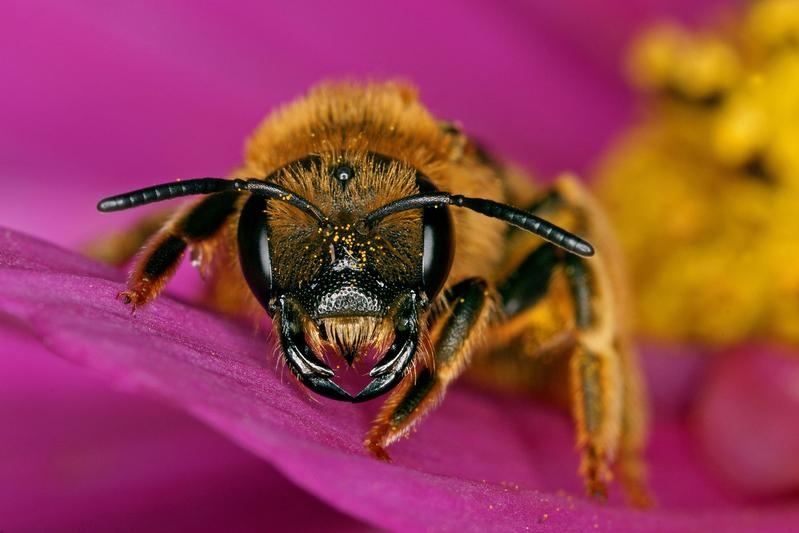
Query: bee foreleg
x=161, y=255
x=455, y=337
x=300, y=358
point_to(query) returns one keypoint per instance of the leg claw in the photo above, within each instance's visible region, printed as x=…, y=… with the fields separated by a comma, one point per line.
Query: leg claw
x=130, y=298
x=377, y=451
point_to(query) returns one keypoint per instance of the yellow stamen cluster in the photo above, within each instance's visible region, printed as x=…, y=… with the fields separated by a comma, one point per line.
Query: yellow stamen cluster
x=704, y=189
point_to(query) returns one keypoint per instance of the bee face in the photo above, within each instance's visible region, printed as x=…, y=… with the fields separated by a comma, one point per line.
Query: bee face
x=346, y=280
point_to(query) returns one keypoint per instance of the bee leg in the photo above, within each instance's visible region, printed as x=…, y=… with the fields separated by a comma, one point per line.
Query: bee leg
x=630, y=465
x=605, y=365
x=530, y=281
x=398, y=359
x=597, y=383
x=300, y=359
x=594, y=374
x=557, y=303
x=548, y=279
x=456, y=335
x=162, y=254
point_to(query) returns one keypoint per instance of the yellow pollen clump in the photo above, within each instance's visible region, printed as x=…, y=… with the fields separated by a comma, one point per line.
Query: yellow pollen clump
x=704, y=189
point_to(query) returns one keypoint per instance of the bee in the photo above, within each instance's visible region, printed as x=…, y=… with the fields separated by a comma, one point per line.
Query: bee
x=366, y=228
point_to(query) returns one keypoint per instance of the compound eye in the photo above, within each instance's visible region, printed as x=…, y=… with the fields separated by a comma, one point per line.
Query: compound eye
x=254, y=256
x=439, y=246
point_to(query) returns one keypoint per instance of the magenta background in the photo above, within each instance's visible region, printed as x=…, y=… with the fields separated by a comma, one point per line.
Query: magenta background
x=96, y=98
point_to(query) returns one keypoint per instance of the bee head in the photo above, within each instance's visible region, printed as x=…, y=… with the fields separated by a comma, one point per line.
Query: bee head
x=348, y=286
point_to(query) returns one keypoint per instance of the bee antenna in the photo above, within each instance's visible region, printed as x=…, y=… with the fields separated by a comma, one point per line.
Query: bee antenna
x=167, y=191
x=516, y=217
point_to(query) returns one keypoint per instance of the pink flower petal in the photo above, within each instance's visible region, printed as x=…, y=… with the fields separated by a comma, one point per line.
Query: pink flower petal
x=76, y=456
x=676, y=373
x=479, y=462
x=748, y=420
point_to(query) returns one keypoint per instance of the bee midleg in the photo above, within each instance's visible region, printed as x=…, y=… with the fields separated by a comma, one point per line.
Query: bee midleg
x=455, y=336
x=602, y=329
x=557, y=303
x=551, y=305
x=595, y=378
x=193, y=227
x=630, y=465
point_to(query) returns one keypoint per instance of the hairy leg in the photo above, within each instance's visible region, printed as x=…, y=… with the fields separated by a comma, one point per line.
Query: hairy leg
x=455, y=336
x=192, y=228
x=596, y=379
x=563, y=304
x=630, y=465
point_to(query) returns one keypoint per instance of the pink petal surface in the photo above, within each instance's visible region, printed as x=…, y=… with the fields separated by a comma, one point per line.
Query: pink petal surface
x=748, y=420
x=478, y=462
x=77, y=456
